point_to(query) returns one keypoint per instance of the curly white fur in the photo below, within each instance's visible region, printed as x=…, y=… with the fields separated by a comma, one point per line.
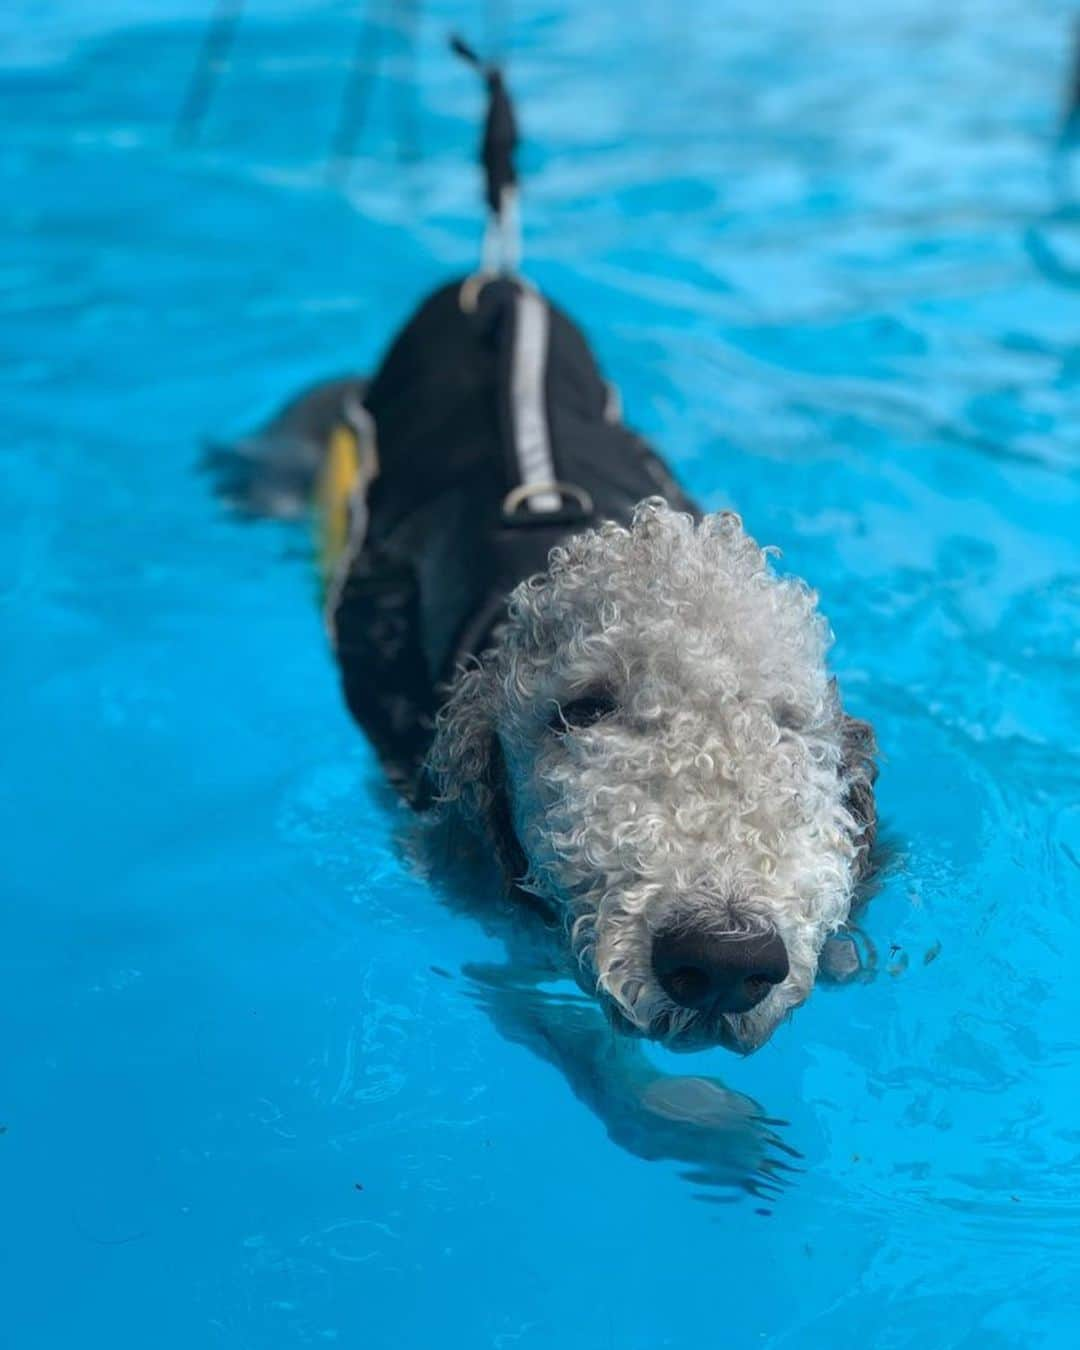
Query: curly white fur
x=723, y=790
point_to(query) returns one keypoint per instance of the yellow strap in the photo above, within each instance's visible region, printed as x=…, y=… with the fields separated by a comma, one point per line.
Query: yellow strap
x=334, y=487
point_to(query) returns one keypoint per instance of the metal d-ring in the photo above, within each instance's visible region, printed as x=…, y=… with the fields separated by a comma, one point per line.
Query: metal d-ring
x=469, y=294
x=524, y=491
x=471, y=288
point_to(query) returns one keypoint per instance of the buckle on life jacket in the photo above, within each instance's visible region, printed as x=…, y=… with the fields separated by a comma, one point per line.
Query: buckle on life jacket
x=576, y=507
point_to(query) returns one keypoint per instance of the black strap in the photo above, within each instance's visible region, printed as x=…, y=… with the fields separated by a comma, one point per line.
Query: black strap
x=500, y=128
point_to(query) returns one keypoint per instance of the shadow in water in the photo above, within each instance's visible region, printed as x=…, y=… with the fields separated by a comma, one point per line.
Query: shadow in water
x=724, y=1141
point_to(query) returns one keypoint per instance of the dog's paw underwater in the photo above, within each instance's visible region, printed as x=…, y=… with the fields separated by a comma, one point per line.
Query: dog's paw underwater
x=723, y=1140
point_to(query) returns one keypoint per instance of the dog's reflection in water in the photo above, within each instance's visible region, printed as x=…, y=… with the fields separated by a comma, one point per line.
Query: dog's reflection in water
x=722, y=1137
x=723, y=1140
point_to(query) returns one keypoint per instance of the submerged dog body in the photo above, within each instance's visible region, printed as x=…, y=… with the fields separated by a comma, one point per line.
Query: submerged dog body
x=543, y=634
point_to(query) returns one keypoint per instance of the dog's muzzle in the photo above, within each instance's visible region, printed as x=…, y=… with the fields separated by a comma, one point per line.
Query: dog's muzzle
x=718, y=973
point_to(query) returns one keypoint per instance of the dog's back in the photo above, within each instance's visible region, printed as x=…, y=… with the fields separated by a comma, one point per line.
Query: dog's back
x=646, y=728
x=486, y=436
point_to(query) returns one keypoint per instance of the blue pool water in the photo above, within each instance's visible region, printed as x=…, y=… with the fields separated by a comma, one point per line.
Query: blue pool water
x=832, y=257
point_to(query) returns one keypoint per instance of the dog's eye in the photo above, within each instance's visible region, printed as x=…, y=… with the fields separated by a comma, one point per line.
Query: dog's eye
x=585, y=711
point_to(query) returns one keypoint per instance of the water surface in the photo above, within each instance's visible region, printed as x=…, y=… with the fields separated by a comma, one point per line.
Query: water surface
x=832, y=258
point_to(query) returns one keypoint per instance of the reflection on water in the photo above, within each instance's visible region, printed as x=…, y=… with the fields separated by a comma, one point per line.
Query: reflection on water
x=720, y=1138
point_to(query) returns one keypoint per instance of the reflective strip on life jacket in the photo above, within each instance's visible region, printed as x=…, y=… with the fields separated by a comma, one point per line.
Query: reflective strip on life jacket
x=528, y=407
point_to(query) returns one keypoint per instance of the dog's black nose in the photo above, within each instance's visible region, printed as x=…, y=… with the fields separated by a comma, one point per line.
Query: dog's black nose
x=731, y=973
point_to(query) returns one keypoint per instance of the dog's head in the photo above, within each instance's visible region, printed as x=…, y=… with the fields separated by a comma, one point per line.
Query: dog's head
x=659, y=753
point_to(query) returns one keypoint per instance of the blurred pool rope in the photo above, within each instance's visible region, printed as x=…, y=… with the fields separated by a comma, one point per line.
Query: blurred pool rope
x=1070, y=126
x=210, y=64
x=356, y=96
x=365, y=66
x=1052, y=241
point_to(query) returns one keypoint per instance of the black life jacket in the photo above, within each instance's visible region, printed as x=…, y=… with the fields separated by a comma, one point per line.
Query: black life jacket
x=497, y=437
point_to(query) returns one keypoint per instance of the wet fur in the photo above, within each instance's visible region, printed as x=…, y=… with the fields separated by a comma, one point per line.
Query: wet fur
x=728, y=790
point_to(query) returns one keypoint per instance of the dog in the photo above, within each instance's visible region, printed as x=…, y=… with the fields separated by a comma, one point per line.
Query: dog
x=543, y=636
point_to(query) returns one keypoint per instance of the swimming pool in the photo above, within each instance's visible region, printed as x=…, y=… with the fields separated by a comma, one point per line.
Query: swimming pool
x=831, y=255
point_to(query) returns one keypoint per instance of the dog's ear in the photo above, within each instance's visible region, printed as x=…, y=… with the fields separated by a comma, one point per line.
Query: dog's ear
x=466, y=765
x=500, y=820
x=858, y=767
x=459, y=763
